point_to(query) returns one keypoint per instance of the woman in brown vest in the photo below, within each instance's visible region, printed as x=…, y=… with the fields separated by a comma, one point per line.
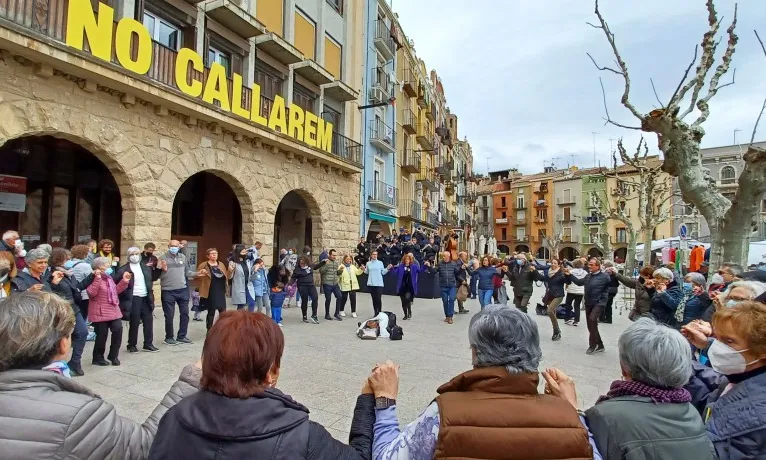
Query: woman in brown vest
x=490, y=412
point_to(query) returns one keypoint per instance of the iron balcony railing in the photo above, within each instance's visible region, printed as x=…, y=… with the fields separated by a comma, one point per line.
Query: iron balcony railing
x=381, y=132
x=346, y=149
x=381, y=192
x=383, y=35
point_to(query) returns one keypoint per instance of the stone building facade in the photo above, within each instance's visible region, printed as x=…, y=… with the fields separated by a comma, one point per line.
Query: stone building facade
x=153, y=140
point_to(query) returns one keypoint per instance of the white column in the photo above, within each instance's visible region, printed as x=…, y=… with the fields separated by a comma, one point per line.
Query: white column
x=290, y=21
x=200, y=30
x=321, y=30
x=127, y=9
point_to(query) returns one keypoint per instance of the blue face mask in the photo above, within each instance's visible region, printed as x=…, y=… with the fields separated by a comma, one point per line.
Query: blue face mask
x=519, y=262
x=108, y=271
x=173, y=250
x=69, y=264
x=687, y=287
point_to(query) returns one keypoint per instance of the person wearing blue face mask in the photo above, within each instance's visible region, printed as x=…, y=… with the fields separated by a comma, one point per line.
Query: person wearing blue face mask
x=697, y=299
x=175, y=290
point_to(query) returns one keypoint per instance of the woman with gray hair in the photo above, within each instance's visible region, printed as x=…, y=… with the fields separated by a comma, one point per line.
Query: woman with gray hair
x=667, y=306
x=648, y=414
x=44, y=414
x=34, y=277
x=697, y=299
x=476, y=414
x=104, y=310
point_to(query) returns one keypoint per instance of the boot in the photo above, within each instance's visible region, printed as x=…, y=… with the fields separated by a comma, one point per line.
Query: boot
x=409, y=312
x=404, y=310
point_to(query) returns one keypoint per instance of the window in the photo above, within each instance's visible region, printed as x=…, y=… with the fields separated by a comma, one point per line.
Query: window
x=542, y=214
x=621, y=206
x=728, y=175
x=567, y=234
x=504, y=234
x=162, y=31
x=520, y=202
x=622, y=235
x=333, y=57
x=333, y=116
x=484, y=216
x=503, y=215
x=567, y=214
x=594, y=236
x=221, y=57
x=566, y=196
x=520, y=215
x=502, y=202
x=269, y=79
x=303, y=97
x=271, y=14
x=305, y=34
x=337, y=5
x=521, y=233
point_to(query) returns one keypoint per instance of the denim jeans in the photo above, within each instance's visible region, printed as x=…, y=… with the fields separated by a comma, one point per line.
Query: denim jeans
x=276, y=314
x=473, y=286
x=79, y=336
x=330, y=291
x=169, y=300
x=448, y=300
x=485, y=297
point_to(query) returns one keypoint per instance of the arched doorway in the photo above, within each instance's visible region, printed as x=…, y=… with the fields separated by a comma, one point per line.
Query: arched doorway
x=503, y=249
x=543, y=253
x=595, y=252
x=207, y=213
x=620, y=254
x=66, y=195
x=522, y=248
x=297, y=223
x=569, y=253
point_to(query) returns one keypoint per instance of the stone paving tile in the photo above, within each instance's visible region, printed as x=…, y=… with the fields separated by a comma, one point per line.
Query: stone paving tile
x=324, y=365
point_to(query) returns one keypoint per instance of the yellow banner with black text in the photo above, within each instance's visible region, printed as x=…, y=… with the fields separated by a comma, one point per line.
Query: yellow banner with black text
x=133, y=51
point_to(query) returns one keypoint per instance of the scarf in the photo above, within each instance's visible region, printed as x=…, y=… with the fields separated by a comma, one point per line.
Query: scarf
x=215, y=270
x=59, y=367
x=658, y=395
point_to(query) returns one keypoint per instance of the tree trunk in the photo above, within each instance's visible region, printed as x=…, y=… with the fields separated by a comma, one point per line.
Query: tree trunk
x=647, y=247
x=630, y=257
x=607, y=245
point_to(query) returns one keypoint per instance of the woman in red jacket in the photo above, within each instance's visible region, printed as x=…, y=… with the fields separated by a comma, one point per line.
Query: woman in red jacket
x=104, y=310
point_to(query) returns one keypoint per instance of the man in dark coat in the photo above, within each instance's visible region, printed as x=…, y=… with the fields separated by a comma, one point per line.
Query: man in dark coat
x=522, y=276
x=595, y=299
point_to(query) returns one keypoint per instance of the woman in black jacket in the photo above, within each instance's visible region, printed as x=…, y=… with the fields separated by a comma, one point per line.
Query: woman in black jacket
x=68, y=288
x=304, y=275
x=239, y=412
x=554, y=294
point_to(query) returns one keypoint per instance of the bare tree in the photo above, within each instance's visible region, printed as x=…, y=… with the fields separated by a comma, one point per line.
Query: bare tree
x=599, y=239
x=554, y=240
x=642, y=182
x=730, y=222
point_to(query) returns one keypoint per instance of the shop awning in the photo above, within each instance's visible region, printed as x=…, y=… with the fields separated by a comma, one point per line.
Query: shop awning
x=381, y=217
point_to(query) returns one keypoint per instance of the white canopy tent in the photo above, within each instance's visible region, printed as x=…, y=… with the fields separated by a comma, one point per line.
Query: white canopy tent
x=756, y=255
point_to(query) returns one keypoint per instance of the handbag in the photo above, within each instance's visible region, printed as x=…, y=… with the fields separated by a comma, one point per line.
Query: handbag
x=462, y=293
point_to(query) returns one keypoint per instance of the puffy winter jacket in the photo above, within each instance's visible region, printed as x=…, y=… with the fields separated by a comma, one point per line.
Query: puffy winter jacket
x=643, y=303
x=665, y=304
x=46, y=415
x=555, y=283
x=522, y=279
x=572, y=288
x=485, y=274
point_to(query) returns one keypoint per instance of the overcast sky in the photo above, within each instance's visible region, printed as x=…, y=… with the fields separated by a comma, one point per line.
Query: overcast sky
x=516, y=74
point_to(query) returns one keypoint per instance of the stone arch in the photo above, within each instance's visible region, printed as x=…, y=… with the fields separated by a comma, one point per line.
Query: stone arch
x=568, y=252
x=543, y=253
x=104, y=140
x=314, y=213
x=521, y=248
x=595, y=252
x=620, y=253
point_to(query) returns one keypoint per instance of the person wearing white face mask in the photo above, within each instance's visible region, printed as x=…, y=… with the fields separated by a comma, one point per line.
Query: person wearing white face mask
x=732, y=396
x=137, y=301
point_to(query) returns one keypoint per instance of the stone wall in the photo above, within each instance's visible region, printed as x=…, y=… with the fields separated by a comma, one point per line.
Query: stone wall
x=151, y=155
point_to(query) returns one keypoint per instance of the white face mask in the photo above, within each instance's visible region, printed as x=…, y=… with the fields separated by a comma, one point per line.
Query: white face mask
x=134, y=259
x=726, y=360
x=716, y=279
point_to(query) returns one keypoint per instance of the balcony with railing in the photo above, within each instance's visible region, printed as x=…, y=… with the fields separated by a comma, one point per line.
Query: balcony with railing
x=432, y=218
x=594, y=220
x=382, y=135
x=380, y=85
x=541, y=204
x=47, y=21
x=422, y=99
x=411, y=209
x=501, y=221
x=409, y=122
x=564, y=218
x=540, y=219
x=410, y=160
x=381, y=194
x=431, y=111
x=427, y=177
x=425, y=134
x=444, y=166
x=384, y=42
x=409, y=82
x=541, y=188
x=564, y=200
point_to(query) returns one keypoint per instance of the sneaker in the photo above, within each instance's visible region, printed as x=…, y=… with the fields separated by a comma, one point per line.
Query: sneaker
x=343, y=314
x=338, y=318
x=556, y=336
x=170, y=342
x=279, y=324
x=151, y=349
x=591, y=349
x=575, y=324
x=75, y=369
x=91, y=337
x=185, y=340
x=132, y=349
x=353, y=315
x=328, y=317
x=115, y=362
x=599, y=349
x=569, y=322
x=100, y=362
x=315, y=320
x=197, y=318
x=305, y=320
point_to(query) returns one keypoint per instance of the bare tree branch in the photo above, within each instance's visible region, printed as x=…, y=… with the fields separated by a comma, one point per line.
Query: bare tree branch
x=760, y=41
x=720, y=71
x=672, y=100
x=601, y=67
x=763, y=107
x=608, y=119
x=620, y=63
x=655, y=92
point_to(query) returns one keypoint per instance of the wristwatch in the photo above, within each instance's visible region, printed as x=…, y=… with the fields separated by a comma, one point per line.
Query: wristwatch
x=384, y=403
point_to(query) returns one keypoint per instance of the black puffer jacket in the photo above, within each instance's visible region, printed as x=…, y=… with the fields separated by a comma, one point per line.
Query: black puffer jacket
x=596, y=288
x=643, y=303
x=555, y=283
x=266, y=426
x=305, y=275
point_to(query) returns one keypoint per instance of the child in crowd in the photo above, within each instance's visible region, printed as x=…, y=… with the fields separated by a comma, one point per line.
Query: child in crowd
x=260, y=281
x=277, y=296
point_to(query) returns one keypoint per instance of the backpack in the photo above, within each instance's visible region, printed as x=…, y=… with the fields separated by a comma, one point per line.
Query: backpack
x=396, y=333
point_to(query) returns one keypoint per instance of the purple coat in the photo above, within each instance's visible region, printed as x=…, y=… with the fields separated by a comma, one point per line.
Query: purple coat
x=415, y=270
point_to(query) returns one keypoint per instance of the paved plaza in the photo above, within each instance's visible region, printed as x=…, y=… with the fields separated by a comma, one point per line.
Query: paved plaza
x=324, y=365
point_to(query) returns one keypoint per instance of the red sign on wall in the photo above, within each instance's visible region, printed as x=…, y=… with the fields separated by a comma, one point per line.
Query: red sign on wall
x=13, y=193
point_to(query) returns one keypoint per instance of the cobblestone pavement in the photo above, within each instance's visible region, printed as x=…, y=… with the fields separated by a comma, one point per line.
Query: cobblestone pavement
x=324, y=365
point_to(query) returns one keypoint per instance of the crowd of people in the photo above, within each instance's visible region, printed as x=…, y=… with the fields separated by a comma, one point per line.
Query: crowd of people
x=693, y=361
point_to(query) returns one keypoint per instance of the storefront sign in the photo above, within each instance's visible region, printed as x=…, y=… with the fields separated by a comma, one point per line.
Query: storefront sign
x=131, y=39
x=13, y=193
